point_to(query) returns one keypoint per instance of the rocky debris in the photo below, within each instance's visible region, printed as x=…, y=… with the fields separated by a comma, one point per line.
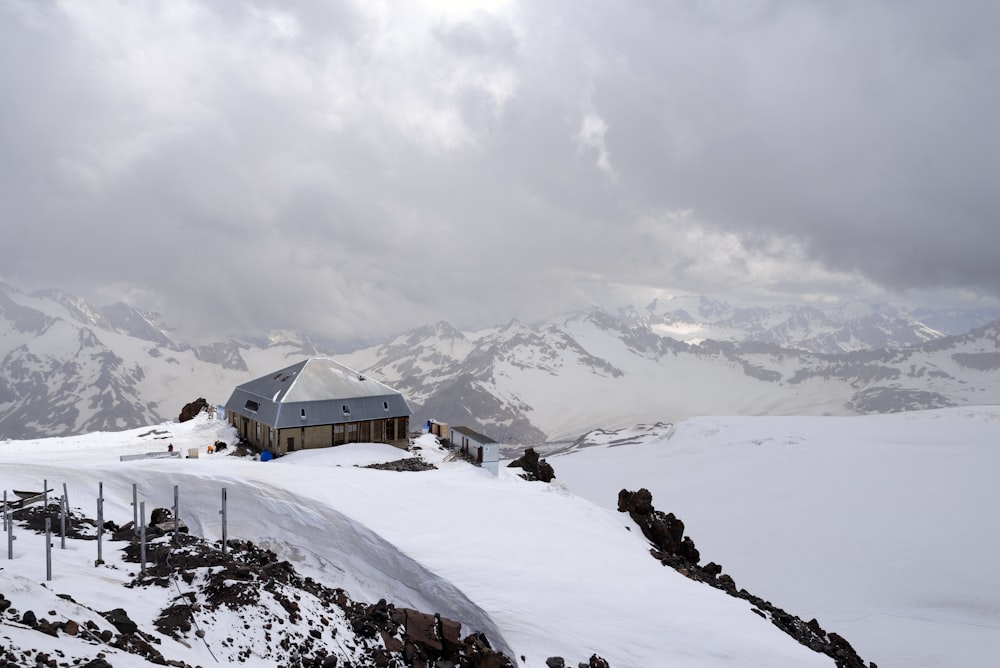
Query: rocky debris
x=191, y=410
x=288, y=620
x=534, y=468
x=77, y=526
x=240, y=580
x=666, y=532
x=408, y=464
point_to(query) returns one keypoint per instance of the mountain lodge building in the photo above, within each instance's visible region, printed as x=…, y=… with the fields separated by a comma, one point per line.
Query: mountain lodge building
x=317, y=403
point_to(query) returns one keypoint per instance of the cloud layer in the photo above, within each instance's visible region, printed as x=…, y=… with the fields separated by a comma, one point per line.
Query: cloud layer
x=357, y=168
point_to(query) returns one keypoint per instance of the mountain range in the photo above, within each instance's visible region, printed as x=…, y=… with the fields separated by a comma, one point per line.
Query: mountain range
x=70, y=367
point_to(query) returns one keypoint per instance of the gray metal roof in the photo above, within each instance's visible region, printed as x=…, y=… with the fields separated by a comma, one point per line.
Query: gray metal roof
x=323, y=390
x=474, y=435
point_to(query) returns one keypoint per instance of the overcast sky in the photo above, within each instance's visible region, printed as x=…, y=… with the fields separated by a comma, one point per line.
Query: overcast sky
x=358, y=168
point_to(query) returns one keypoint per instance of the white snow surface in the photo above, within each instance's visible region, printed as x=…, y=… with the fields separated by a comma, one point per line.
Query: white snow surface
x=542, y=572
x=884, y=528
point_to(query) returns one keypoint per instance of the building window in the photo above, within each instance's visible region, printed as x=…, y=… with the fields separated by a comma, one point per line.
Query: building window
x=347, y=409
x=385, y=405
x=252, y=406
x=338, y=434
x=302, y=412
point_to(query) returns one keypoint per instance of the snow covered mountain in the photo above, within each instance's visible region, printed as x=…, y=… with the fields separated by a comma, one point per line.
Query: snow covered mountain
x=69, y=367
x=556, y=380
x=838, y=329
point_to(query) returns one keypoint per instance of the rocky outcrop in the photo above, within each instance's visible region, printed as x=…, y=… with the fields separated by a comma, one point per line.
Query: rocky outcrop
x=191, y=410
x=534, y=468
x=666, y=532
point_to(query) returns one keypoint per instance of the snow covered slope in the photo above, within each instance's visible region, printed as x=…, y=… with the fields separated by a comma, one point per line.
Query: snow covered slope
x=540, y=571
x=882, y=527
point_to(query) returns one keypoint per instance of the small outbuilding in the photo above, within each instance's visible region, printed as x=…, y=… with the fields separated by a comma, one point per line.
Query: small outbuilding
x=481, y=449
x=317, y=403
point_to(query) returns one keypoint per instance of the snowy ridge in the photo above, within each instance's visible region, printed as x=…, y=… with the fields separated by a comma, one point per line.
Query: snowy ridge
x=550, y=575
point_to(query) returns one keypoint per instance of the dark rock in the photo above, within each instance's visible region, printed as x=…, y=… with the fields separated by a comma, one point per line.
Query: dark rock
x=97, y=663
x=29, y=619
x=160, y=516
x=664, y=530
x=712, y=568
x=191, y=410
x=120, y=620
x=555, y=662
x=534, y=468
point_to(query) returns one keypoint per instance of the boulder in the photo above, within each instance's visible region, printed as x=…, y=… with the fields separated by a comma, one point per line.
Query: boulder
x=534, y=467
x=120, y=620
x=191, y=410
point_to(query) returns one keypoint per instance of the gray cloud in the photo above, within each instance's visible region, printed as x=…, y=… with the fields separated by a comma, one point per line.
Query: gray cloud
x=336, y=167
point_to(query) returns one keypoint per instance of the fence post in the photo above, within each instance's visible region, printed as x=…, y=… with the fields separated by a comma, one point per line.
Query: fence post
x=100, y=522
x=45, y=492
x=176, y=520
x=142, y=541
x=223, y=513
x=66, y=501
x=48, y=548
x=135, y=511
x=62, y=523
x=8, y=525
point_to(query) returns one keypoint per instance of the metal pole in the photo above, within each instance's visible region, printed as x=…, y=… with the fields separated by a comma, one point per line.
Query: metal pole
x=176, y=521
x=100, y=522
x=135, y=511
x=66, y=501
x=142, y=541
x=8, y=525
x=48, y=548
x=223, y=513
x=62, y=523
x=45, y=493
